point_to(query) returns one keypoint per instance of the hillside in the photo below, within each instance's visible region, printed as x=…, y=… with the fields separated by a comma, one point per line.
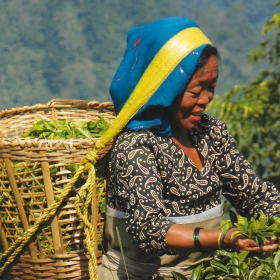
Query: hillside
x=71, y=48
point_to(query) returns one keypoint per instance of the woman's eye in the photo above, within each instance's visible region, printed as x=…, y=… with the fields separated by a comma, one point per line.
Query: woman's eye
x=195, y=90
x=212, y=87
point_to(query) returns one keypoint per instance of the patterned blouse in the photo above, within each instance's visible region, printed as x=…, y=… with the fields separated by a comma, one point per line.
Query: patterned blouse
x=152, y=179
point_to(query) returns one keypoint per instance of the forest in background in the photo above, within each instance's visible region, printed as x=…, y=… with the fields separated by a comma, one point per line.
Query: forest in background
x=71, y=48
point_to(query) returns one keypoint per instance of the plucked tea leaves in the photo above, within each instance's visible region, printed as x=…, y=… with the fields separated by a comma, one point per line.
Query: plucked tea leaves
x=64, y=129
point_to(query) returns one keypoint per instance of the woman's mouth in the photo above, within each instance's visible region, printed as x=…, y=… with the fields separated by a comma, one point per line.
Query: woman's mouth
x=197, y=114
x=196, y=117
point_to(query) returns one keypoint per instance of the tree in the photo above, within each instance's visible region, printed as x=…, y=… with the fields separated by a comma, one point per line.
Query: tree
x=252, y=112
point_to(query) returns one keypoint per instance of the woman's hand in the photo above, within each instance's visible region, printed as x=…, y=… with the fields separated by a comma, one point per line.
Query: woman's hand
x=240, y=244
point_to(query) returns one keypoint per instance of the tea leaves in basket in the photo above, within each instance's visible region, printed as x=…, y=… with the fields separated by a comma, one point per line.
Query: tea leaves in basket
x=64, y=129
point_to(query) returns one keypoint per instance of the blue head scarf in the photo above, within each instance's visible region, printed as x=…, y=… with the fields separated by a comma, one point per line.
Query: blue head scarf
x=143, y=43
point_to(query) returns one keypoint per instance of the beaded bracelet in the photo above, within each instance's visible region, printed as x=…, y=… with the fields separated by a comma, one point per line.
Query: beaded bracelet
x=196, y=239
x=224, y=233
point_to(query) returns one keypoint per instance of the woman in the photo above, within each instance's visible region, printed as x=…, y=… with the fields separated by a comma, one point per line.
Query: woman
x=171, y=163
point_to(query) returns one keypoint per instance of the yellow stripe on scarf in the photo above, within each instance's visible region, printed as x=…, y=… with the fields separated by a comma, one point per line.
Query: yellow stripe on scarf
x=168, y=57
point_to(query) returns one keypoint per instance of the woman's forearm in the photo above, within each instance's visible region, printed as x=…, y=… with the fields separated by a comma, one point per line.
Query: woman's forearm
x=180, y=239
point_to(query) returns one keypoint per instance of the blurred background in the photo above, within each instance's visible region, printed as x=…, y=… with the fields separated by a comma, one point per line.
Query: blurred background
x=71, y=48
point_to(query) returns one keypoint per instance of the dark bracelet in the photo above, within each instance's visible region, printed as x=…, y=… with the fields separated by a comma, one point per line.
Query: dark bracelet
x=272, y=219
x=196, y=239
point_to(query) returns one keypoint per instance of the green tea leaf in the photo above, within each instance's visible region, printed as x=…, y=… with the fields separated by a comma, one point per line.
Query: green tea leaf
x=252, y=226
x=84, y=132
x=262, y=219
x=197, y=273
x=242, y=256
x=219, y=266
x=274, y=227
x=235, y=265
x=72, y=168
x=178, y=276
x=259, y=270
x=48, y=124
x=276, y=260
x=102, y=205
x=236, y=233
x=81, y=124
x=211, y=276
x=39, y=126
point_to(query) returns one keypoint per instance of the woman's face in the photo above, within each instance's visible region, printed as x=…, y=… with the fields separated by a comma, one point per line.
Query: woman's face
x=187, y=108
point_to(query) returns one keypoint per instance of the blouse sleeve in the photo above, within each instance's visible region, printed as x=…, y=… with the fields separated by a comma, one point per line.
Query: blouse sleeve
x=140, y=188
x=241, y=186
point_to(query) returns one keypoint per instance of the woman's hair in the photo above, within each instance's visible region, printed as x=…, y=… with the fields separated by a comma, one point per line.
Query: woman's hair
x=207, y=52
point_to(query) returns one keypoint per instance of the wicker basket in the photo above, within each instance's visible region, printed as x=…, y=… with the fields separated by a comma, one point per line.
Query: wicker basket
x=32, y=173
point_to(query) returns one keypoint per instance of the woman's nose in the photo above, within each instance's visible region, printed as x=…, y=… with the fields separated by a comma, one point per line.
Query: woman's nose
x=204, y=98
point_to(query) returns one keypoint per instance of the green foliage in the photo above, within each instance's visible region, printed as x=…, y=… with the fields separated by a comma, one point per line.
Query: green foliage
x=258, y=230
x=230, y=265
x=238, y=266
x=252, y=112
x=243, y=266
x=178, y=276
x=57, y=129
x=197, y=274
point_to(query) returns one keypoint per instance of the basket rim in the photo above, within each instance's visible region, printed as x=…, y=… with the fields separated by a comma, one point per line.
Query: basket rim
x=59, y=103
x=34, y=142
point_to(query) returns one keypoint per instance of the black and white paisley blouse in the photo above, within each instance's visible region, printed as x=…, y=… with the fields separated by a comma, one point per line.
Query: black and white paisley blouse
x=152, y=179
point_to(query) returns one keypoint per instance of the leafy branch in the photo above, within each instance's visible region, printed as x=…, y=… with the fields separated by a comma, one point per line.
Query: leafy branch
x=258, y=230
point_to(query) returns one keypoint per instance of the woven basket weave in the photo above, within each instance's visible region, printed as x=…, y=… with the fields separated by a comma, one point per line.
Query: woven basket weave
x=32, y=173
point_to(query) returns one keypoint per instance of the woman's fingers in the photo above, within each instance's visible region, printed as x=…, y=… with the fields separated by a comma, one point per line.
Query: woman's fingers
x=263, y=248
x=268, y=248
x=249, y=245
